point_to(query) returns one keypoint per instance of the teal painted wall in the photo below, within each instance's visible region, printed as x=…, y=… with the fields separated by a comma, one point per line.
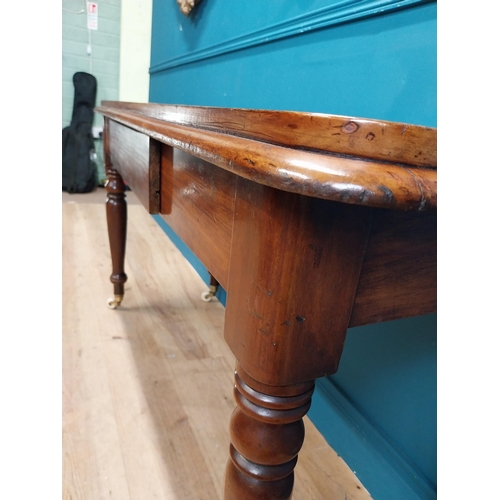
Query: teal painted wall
x=403, y=354
x=347, y=58
x=104, y=62
x=383, y=67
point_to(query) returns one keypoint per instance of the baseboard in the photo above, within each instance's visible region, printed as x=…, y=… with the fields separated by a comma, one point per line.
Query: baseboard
x=382, y=469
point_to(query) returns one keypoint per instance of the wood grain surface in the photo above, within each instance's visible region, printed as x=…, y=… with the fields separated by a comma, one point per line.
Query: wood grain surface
x=137, y=158
x=357, y=177
x=375, y=139
x=197, y=202
x=295, y=266
x=399, y=274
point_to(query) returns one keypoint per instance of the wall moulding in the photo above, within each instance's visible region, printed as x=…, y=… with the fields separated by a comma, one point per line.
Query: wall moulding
x=341, y=11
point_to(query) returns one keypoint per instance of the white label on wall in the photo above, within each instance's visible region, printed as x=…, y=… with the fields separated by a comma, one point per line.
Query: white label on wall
x=91, y=16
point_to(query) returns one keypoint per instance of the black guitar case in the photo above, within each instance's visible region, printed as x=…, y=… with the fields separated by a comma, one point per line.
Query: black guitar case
x=79, y=172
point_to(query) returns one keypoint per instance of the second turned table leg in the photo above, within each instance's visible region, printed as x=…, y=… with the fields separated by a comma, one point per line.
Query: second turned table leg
x=116, y=213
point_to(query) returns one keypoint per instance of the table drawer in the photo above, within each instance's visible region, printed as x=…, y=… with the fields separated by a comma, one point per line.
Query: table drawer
x=137, y=158
x=197, y=202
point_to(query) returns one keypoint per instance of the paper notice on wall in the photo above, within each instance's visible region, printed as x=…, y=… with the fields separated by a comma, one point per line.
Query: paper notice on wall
x=91, y=16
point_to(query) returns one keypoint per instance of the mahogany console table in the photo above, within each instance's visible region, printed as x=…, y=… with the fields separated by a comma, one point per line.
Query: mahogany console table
x=312, y=223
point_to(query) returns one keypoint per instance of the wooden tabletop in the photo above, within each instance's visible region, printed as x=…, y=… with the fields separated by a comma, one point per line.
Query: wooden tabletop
x=352, y=160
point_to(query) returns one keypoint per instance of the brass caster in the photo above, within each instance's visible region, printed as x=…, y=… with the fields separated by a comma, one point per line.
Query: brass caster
x=113, y=303
x=212, y=290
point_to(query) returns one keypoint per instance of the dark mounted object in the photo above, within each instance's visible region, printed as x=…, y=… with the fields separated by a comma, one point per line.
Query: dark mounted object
x=187, y=6
x=78, y=152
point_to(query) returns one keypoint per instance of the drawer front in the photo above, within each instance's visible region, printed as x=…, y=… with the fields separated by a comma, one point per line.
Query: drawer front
x=137, y=158
x=197, y=202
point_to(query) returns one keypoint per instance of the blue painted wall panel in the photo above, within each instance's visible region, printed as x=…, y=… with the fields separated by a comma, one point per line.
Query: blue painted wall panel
x=231, y=20
x=376, y=68
x=383, y=67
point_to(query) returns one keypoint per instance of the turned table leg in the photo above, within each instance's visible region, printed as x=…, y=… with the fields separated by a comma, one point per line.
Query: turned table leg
x=267, y=433
x=295, y=265
x=116, y=213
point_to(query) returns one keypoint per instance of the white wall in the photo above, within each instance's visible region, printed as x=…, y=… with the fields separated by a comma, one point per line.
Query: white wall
x=104, y=60
x=135, y=50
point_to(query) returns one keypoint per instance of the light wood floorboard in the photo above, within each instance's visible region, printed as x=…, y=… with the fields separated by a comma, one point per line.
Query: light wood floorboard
x=147, y=388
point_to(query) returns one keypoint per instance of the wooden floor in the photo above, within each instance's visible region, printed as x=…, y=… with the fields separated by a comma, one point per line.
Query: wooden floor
x=147, y=388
